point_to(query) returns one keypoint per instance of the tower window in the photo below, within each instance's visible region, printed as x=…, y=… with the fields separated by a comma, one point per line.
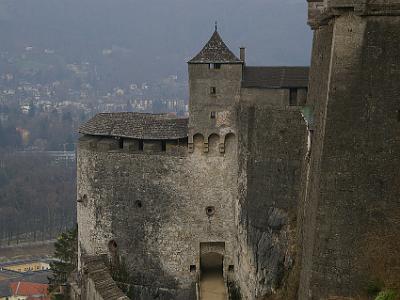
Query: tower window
x=192, y=268
x=212, y=115
x=213, y=90
x=214, y=66
x=293, y=97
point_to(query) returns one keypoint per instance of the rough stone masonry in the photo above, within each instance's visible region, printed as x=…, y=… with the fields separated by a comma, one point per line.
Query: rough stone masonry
x=164, y=194
x=286, y=196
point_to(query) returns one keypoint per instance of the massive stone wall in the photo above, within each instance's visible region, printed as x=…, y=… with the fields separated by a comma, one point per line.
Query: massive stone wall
x=272, y=145
x=149, y=209
x=350, y=205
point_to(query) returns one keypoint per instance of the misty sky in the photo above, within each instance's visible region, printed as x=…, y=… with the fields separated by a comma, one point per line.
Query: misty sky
x=158, y=36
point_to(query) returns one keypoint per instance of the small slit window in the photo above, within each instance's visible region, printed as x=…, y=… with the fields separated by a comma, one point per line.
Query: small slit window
x=163, y=146
x=214, y=66
x=212, y=115
x=112, y=246
x=140, y=145
x=293, y=97
x=213, y=90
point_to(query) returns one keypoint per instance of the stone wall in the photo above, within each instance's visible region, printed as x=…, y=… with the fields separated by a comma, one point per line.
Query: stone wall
x=350, y=206
x=150, y=210
x=272, y=146
x=97, y=281
x=226, y=81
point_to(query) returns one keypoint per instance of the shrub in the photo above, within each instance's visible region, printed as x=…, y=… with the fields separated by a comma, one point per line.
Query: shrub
x=387, y=295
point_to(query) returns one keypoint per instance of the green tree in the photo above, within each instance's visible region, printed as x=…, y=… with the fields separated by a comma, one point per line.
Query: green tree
x=66, y=253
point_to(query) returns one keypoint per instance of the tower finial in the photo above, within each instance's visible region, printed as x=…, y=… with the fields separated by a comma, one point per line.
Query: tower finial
x=216, y=26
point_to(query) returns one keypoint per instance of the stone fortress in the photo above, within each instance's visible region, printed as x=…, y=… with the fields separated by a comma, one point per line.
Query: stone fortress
x=282, y=181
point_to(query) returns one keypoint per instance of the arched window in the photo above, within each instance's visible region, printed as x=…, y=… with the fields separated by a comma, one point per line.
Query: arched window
x=213, y=144
x=230, y=143
x=198, y=143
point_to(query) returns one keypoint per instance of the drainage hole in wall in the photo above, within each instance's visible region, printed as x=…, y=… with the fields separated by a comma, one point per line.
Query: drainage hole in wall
x=210, y=210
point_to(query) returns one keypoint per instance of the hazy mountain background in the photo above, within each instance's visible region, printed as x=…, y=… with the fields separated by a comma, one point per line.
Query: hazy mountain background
x=154, y=38
x=62, y=61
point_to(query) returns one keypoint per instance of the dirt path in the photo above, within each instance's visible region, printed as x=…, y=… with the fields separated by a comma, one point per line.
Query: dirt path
x=212, y=287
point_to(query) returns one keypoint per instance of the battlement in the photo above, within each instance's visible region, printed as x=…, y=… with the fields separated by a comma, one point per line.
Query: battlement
x=176, y=147
x=321, y=11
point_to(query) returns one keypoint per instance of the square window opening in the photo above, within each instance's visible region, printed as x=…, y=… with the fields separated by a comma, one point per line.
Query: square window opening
x=212, y=115
x=213, y=90
x=192, y=268
x=213, y=66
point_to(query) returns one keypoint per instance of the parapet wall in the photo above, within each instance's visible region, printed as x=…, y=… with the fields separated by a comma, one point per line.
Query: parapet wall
x=97, y=282
x=153, y=210
x=321, y=12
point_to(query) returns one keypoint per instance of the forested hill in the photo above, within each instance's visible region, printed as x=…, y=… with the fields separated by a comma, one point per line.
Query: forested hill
x=151, y=39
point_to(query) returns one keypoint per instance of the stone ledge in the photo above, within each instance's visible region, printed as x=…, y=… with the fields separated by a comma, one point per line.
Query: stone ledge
x=95, y=270
x=320, y=14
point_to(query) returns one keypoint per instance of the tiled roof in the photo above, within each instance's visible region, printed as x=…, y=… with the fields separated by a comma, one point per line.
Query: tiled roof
x=28, y=289
x=5, y=290
x=7, y=274
x=41, y=276
x=137, y=126
x=215, y=51
x=275, y=77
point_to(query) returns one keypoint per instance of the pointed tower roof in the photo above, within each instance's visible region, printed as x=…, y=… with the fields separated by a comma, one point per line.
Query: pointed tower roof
x=215, y=51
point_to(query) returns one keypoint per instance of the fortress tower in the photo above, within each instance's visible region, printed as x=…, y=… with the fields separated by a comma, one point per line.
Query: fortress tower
x=351, y=229
x=215, y=76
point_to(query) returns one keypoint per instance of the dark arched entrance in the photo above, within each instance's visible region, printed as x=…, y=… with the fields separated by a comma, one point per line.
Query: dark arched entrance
x=212, y=263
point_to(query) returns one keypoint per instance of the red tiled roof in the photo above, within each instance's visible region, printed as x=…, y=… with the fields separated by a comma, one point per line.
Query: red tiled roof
x=29, y=289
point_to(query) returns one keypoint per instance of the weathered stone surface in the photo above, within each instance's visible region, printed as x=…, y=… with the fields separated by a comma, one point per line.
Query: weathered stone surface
x=97, y=281
x=350, y=204
x=229, y=189
x=271, y=150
